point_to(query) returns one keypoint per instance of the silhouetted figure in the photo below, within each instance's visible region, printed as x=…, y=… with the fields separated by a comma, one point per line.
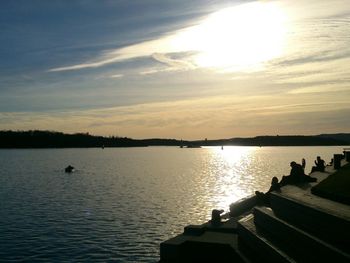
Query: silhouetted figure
x=216, y=216
x=296, y=176
x=69, y=169
x=303, y=163
x=320, y=165
x=265, y=197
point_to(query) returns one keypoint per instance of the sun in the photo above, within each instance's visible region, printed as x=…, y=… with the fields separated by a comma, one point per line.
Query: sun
x=239, y=37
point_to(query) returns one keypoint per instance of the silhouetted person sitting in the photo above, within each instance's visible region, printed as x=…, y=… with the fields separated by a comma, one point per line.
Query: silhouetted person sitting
x=265, y=197
x=296, y=176
x=320, y=165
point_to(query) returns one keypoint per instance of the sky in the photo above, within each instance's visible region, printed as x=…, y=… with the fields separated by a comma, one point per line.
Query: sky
x=175, y=69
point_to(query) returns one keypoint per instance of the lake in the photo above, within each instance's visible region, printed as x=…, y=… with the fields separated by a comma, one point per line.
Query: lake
x=121, y=203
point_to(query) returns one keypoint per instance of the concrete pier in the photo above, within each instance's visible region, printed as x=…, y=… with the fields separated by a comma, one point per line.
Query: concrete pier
x=297, y=226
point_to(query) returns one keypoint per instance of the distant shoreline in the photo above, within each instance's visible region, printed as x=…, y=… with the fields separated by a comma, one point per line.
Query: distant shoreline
x=50, y=139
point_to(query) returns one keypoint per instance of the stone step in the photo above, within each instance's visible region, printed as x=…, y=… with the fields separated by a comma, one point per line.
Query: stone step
x=228, y=226
x=208, y=247
x=298, y=244
x=322, y=218
x=255, y=246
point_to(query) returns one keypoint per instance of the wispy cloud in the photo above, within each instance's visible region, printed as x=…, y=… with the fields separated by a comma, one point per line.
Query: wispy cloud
x=227, y=38
x=116, y=76
x=174, y=63
x=325, y=88
x=109, y=76
x=143, y=49
x=151, y=71
x=222, y=41
x=171, y=64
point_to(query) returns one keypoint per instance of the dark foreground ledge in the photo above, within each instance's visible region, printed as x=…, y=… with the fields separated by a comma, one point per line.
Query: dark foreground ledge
x=209, y=242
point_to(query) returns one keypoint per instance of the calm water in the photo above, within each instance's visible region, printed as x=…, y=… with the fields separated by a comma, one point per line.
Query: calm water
x=121, y=203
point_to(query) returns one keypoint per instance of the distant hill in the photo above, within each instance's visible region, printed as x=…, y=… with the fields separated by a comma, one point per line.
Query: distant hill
x=338, y=136
x=52, y=139
x=288, y=140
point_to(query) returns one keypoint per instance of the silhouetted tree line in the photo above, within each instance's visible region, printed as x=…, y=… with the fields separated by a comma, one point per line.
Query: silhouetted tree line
x=49, y=139
x=164, y=142
x=52, y=139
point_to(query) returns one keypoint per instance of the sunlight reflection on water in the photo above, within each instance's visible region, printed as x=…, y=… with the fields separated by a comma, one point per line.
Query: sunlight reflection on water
x=224, y=172
x=235, y=172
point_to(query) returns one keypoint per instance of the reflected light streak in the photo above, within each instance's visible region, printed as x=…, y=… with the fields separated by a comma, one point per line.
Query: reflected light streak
x=232, y=182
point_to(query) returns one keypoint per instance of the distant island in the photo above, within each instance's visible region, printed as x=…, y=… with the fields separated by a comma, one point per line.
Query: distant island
x=52, y=139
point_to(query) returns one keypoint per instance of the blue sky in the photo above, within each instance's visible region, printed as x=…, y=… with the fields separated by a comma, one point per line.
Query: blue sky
x=175, y=69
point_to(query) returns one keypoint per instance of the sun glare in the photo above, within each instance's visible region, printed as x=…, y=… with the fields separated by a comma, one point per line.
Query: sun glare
x=237, y=38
